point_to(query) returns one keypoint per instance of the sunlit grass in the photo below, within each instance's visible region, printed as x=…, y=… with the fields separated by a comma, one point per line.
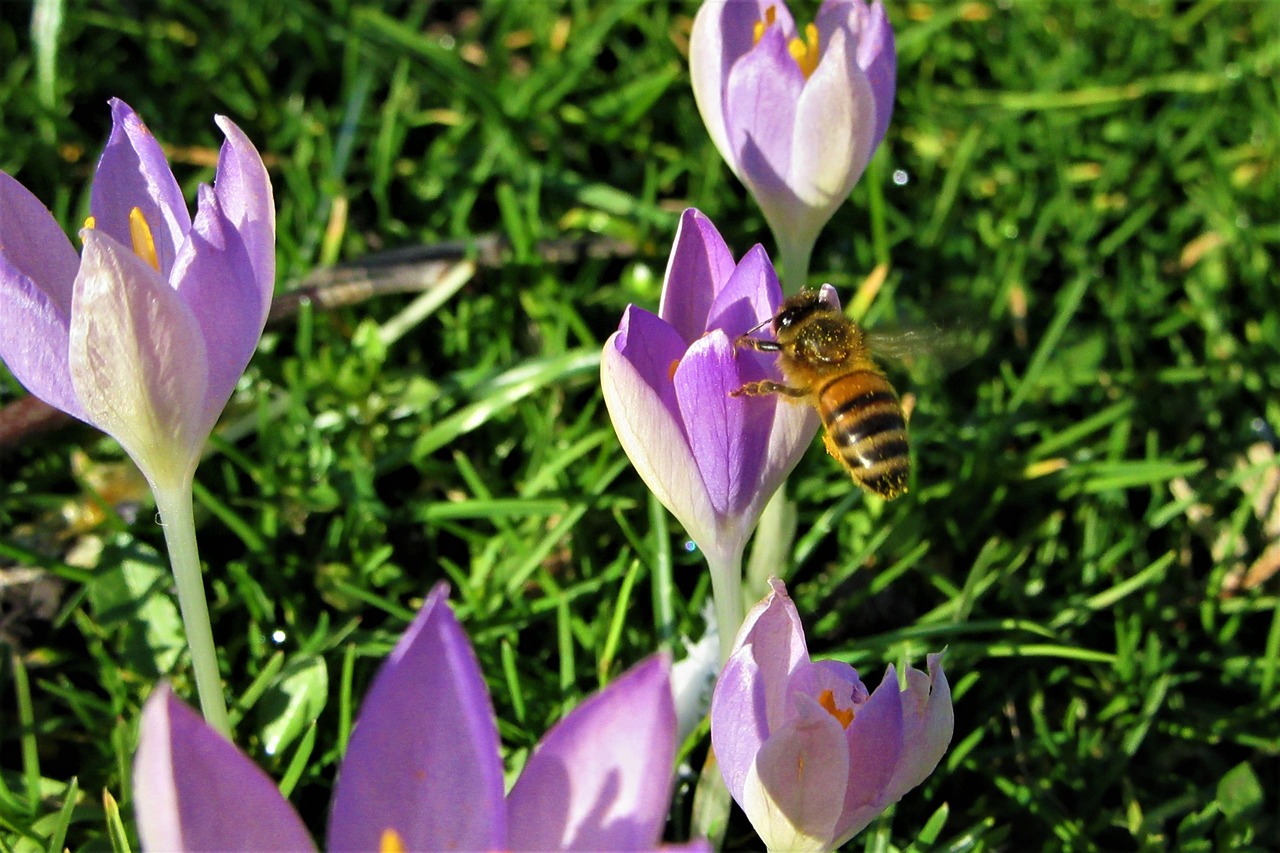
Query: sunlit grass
x=1090, y=189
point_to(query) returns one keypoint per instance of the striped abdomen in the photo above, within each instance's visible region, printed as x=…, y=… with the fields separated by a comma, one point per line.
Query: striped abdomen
x=866, y=431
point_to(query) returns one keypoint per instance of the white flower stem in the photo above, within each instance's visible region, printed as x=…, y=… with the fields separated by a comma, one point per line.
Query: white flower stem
x=795, y=255
x=726, y=591
x=178, y=521
x=711, y=800
x=771, y=546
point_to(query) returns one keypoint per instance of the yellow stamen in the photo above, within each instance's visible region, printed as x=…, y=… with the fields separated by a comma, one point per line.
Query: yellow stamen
x=90, y=222
x=757, y=32
x=391, y=842
x=144, y=246
x=828, y=702
x=805, y=51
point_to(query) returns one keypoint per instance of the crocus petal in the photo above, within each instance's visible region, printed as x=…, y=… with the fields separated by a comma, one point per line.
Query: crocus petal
x=752, y=694
x=37, y=270
x=795, y=788
x=601, y=778
x=34, y=245
x=729, y=443
x=816, y=677
x=216, y=279
x=750, y=295
x=774, y=637
x=738, y=720
x=760, y=108
x=875, y=746
x=928, y=723
x=723, y=32
x=423, y=758
x=834, y=131
x=133, y=172
x=193, y=790
x=868, y=27
x=698, y=268
x=646, y=417
x=790, y=434
x=137, y=359
x=244, y=194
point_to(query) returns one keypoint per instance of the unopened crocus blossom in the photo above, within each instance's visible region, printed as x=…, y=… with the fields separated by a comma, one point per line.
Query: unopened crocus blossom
x=422, y=769
x=146, y=332
x=712, y=459
x=796, y=112
x=808, y=753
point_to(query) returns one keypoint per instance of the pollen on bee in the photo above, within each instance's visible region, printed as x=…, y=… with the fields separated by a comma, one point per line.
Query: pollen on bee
x=908, y=406
x=827, y=700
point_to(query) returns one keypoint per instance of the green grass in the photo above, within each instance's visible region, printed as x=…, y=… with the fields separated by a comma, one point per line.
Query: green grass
x=1091, y=188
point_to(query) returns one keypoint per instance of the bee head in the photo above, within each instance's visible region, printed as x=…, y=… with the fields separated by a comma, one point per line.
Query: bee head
x=798, y=308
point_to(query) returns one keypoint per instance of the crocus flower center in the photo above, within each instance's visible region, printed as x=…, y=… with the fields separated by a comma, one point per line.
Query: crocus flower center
x=804, y=51
x=844, y=716
x=390, y=842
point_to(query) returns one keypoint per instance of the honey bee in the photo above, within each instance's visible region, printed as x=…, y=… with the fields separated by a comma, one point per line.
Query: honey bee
x=825, y=358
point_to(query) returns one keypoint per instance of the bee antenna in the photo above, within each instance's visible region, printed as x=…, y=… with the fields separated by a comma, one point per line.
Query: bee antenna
x=766, y=321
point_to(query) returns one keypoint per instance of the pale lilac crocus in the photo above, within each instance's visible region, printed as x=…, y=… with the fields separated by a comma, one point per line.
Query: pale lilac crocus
x=795, y=112
x=146, y=332
x=712, y=459
x=809, y=754
x=423, y=770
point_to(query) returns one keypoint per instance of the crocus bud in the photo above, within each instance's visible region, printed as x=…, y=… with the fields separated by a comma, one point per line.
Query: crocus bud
x=711, y=458
x=796, y=113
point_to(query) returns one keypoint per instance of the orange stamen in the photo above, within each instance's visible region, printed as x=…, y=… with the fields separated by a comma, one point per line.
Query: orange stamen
x=828, y=702
x=671, y=371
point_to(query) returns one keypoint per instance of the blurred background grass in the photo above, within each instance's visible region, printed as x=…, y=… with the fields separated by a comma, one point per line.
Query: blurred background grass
x=1091, y=188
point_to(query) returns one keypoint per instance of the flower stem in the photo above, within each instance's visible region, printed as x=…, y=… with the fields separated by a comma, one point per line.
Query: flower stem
x=796, y=255
x=726, y=592
x=771, y=546
x=178, y=520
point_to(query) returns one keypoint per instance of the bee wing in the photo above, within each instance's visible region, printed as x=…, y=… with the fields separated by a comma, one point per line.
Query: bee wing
x=930, y=351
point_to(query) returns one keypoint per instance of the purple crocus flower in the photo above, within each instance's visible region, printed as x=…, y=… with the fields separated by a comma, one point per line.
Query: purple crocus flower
x=423, y=769
x=145, y=333
x=796, y=114
x=806, y=751
x=712, y=459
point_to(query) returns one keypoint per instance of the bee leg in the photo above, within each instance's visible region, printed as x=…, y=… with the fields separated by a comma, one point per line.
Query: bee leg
x=748, y=342
x=766, y=387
